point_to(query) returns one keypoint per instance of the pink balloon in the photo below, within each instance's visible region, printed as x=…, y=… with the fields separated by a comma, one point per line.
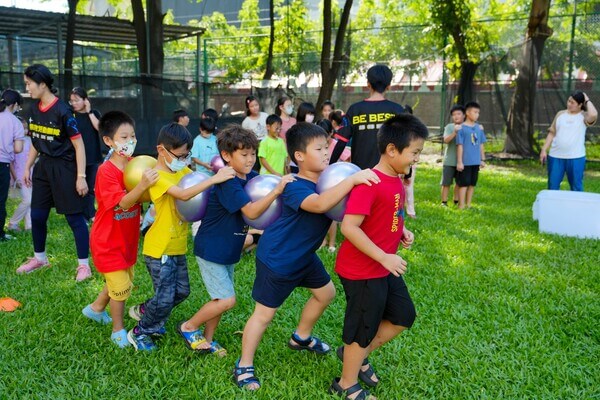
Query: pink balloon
x=217, y=163
x=331, y=176
x=193, y=209
x=257, y=188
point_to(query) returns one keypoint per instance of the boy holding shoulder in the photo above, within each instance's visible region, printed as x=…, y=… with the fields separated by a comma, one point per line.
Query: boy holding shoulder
x=378, y=306
x=115, y=232
x=283, y=264
x=470, y=154
x=165, y=244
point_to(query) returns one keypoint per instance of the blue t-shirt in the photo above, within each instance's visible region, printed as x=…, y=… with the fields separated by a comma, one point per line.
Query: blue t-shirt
x=205, y=149
x=289, y=243
x=222, y=233
x=471, y=138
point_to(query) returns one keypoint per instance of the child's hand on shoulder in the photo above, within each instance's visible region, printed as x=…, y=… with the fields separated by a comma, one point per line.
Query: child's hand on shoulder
x=407, y=238
x=149, y=178
x=224, y=174
x=394, y=263
x=284, y=181
x=457, y=127
x=366, y=176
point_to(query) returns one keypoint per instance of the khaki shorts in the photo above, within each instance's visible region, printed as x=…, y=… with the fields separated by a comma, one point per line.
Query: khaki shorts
x=119, y=283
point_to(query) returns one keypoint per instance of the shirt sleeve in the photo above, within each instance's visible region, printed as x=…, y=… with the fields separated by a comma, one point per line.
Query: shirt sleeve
x=232, y=195
x=19, y=132
x=160, y=187
x=360, y=200
x=70, y=124
x=196, y=148
x=263, y=148
x=448, y=130
x=482, y=138
x=460, y=140
x=295, y=193
x=108, y=188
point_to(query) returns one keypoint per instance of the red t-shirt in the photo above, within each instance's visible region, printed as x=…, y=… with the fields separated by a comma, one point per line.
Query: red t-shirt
x=381, y=205
x=115, y=232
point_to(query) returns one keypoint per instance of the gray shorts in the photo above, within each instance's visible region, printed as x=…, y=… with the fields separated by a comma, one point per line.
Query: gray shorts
x=218, y=279
x=448, y=175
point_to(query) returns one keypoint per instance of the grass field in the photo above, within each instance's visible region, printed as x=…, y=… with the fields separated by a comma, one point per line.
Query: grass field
x=503, y=313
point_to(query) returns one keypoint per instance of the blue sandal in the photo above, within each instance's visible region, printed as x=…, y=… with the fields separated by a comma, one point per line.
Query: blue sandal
x=318, y=347
x=239, y=371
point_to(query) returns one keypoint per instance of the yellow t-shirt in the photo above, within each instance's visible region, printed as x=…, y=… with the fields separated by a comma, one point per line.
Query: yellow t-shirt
x=168, y=233
x=274, y=151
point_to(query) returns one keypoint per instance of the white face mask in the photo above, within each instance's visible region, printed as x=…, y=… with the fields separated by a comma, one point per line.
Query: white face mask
x=289, y=110
x=309, y=118
x=126, y=149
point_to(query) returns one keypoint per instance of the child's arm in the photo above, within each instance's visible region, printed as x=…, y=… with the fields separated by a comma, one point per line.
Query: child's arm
x=265, y=164
x=355, y=235
x=201, y=163
x=80, y=184
x=323, y=202
x=223, y=175
x=149, y=178
x=28, y=164
x=408, y=238
x=459, y=157
x=254, y=209
x=482, y=151
x=450, y=137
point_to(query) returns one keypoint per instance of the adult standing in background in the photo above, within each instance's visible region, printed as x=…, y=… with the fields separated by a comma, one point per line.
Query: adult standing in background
x=88, y=120
x=566, y=141
x=11, y=142
x=256, y=120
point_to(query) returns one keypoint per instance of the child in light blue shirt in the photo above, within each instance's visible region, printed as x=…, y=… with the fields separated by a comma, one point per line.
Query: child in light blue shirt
x=205, y=146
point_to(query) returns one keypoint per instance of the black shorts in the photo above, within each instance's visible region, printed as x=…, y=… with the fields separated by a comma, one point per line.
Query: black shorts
x=54, y=186
x=271, y=289
x=370, y=301
x=448, y=175
x=468, y=176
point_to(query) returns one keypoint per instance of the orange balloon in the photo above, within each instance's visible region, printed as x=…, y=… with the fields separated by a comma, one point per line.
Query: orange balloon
x=132, y=175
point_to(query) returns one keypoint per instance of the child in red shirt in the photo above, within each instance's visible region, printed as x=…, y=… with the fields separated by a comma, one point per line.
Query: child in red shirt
x=378, y=306
x=116, y=229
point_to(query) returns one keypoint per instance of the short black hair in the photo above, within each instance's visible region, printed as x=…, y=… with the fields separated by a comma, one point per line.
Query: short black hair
x=208, y=124
x=210, y=113
x=274, y=119
x=300, y=135
x=112, y=121
x=304, y=109
x=379, y=77
x=179, y=113
x=400, y=131
x=326, y=125
x=457, y=107
x=10, y=97
x=472, y=104
x=337, y=116
x=234, y=137
x=173, y=136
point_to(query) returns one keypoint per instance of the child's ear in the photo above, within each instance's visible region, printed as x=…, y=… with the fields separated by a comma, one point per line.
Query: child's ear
x=298, y=155
x=391, y=150
x=107, y=141
x=226, y=156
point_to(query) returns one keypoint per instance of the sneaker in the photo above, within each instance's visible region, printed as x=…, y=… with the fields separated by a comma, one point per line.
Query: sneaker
x=83, y=272
x=31, y=265
x=331, y=249
x=159, y=333
x=100, y=317
x=120, y=338
x=140, y=341
x=136, y=312
x=6, y=238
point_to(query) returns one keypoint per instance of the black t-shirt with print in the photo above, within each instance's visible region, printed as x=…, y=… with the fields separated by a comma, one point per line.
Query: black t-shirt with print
x=90, y=136
x=52, y=130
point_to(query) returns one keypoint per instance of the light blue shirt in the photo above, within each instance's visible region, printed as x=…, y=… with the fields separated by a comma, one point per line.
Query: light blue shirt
x=205, y=149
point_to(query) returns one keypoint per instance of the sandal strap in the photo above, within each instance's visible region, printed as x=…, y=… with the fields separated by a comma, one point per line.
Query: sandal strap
x=238, y=371
x=356, y=388
x=302, y=342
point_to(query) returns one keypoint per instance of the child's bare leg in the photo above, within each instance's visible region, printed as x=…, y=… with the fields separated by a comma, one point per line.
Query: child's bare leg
x=210, y=315
x=462, y=194
x=386, y=332
x=331, y=233
x=353, y=358
x=117, y=309
x=314, y=308
x=469, y=196
x=101, y=301
x=456, y=194
x=445, y=190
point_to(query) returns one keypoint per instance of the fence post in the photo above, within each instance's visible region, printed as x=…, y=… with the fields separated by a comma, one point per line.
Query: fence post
x=572, y=49
x=443, y=94
x=205, y=77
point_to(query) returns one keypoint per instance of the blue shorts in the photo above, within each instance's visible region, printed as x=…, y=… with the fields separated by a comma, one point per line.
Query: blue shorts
x=271, y=289
x=218, y=279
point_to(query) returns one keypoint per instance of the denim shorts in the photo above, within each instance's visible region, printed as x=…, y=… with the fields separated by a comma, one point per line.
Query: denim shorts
x=218, y=279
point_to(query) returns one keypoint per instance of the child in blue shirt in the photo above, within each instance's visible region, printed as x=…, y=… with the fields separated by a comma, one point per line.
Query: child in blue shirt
x=219, y=241
x=282, y=264
x=205, y=146
x=470, y=154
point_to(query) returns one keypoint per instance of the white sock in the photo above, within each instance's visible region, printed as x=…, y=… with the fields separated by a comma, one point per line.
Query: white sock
x=83, y=261
x=41, y=256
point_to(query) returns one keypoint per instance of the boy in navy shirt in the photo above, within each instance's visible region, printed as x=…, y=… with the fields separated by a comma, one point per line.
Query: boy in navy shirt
x=283, y=264
x=219, y=241
x=470, y=155
x=378, y=305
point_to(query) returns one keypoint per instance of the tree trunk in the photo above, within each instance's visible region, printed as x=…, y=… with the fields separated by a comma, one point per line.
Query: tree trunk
x=269, y=68
x=139, y=24
x=520, y=129
x=331, y=67
x=156, y=38
x=465, y=85
x=68, y=77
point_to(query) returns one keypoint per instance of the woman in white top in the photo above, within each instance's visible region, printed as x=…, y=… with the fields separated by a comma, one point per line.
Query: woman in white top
x=566, y=140
x=255, y=120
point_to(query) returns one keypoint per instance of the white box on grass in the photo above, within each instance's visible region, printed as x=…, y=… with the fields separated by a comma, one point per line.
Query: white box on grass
x=568, y=213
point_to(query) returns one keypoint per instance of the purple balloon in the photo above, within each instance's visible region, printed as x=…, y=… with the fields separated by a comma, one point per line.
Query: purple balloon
x=217, y=163
x=331, y=176
x=193, y=209
x=257, y=188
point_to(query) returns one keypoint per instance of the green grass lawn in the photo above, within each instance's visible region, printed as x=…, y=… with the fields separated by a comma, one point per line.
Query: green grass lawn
x=504, y=312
